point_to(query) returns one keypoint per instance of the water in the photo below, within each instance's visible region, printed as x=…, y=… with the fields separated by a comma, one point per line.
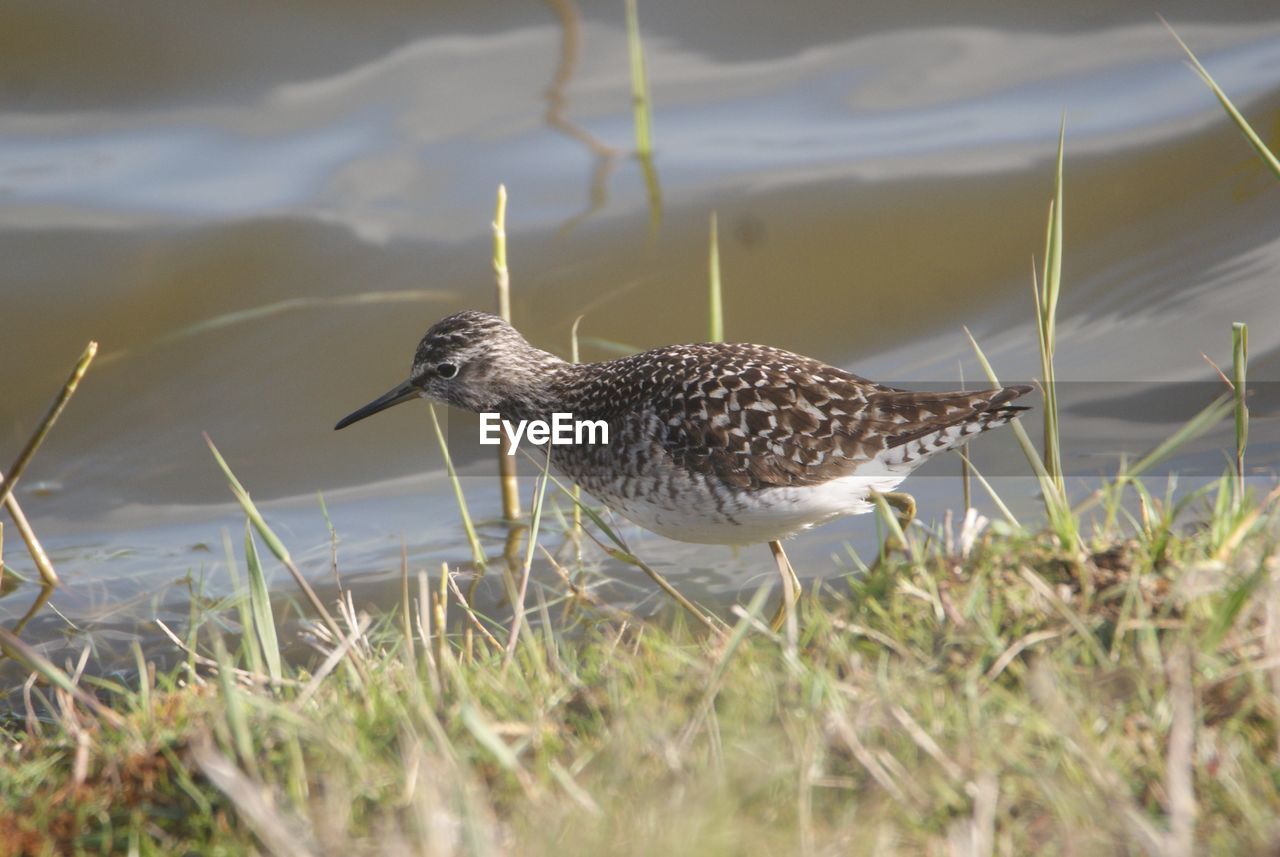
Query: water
x=257, y=212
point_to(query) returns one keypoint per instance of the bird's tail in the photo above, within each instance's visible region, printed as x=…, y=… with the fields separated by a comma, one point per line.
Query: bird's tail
x=929, y=423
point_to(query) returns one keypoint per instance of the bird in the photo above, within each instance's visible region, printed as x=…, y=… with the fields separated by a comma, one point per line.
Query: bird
x=714, y=442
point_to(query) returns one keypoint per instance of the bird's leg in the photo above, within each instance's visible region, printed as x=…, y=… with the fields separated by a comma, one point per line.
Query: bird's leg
x=790, y=585
x=905, y=505
x=511, y=548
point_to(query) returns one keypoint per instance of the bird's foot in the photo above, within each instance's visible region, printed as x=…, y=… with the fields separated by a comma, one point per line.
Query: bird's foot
x=905, y=505
x=790, y=586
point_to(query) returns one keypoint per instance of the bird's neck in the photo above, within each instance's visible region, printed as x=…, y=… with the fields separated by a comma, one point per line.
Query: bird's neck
x=539, y=388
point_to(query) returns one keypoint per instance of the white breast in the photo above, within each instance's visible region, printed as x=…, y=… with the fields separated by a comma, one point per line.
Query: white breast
x=756, y=517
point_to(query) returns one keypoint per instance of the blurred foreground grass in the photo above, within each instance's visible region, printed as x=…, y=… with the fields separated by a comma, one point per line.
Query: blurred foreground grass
x=972, y=699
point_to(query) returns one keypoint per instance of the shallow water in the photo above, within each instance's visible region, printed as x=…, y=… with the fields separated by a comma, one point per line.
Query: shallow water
x=258, y=211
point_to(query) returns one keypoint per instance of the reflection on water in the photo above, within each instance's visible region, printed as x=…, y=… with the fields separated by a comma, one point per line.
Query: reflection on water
x=604, y=156
x=259, y=224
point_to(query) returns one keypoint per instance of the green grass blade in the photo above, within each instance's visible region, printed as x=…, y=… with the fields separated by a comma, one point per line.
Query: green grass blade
x=622, y=553
x=507, y=481
x=144, y=680
x=487, y=738
x=37, y=437
x=991, y=492
x=577, y=490
x=1268, y=157
x=264, y=620
x=609, y=345
x=277, y=547
x=249, y=635
x=501, y=274
x=639, y=83
x=1229, y=607
x=251, y=510
x=716, y=326
x=236, y=712
x=477, y=553
x=517, y=621
x=1058, y=511
x=1047, y=305
x=17, y=649
x=1024, y=440
x=535, y=523
x=643, y=116
x=1211, y=415
x=1239, y=371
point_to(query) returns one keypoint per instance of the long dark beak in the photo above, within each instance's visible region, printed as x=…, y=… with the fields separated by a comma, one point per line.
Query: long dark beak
x=403, y=393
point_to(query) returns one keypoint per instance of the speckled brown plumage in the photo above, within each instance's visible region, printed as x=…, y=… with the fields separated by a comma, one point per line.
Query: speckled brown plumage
x=715, y=442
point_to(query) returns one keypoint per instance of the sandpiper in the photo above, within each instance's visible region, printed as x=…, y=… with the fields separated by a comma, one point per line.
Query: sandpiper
x=715, y=443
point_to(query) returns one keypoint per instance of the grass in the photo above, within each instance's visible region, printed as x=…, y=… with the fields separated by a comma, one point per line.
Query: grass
x=993, y=691
x=1239, y=370
x=715, y=301
x=507, y=478
x=642, y=116
x=1046, y=300
x=1108, y=684
x=1237, y=118
x=971, y=698
x=48, y=576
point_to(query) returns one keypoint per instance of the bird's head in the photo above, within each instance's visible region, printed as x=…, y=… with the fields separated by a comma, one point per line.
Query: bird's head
x=474, y=361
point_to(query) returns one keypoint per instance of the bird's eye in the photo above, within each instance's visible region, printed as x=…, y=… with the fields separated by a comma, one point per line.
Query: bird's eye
x=446, y=370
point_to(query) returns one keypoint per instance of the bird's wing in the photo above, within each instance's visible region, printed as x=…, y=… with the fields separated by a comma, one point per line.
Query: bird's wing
x=759, y=417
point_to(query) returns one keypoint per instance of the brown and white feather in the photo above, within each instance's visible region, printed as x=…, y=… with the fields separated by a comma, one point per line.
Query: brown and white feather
x=713, y=442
